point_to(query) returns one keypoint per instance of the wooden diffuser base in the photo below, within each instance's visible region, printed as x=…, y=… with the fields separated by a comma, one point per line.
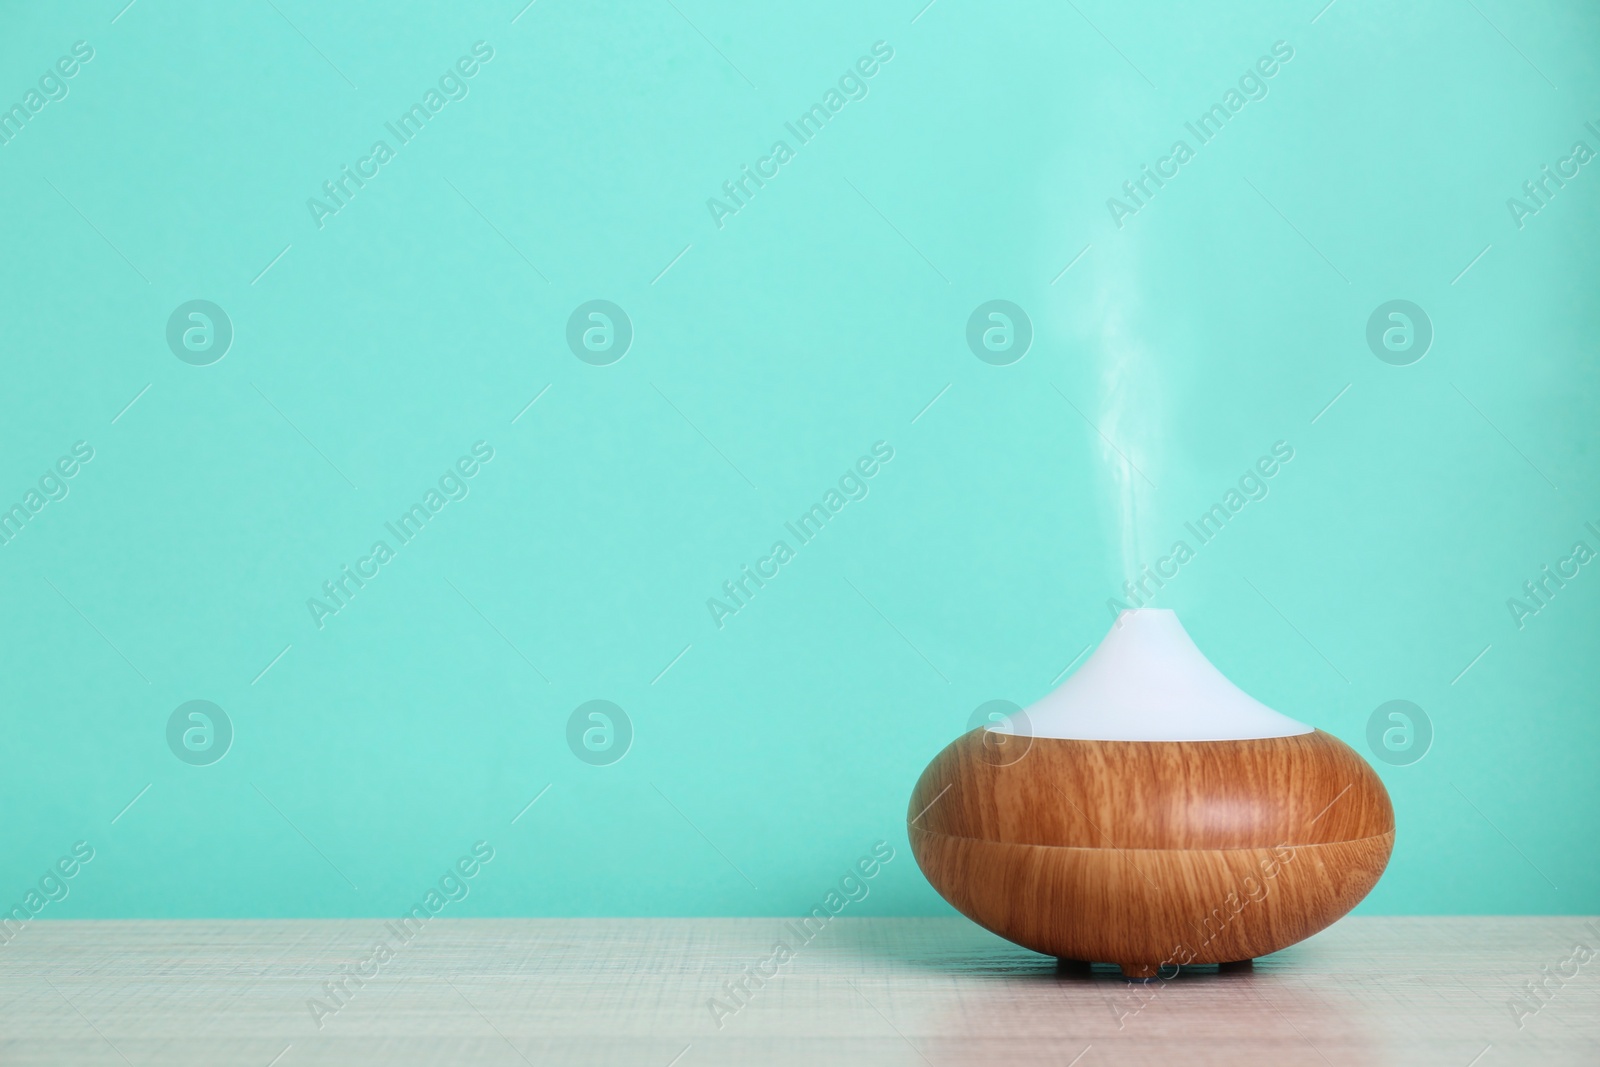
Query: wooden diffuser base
x=1151, y=854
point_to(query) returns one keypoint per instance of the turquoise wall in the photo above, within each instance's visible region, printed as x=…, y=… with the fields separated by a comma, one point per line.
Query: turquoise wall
x=412, y=335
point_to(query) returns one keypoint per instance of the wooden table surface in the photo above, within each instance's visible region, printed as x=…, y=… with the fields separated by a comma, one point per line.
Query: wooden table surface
x=863, y=991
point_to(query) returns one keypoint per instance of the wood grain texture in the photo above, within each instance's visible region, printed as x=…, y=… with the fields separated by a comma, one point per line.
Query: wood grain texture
x=1148, y=908
x=1304, y=790
x=1151, y=853
x=1367, y=992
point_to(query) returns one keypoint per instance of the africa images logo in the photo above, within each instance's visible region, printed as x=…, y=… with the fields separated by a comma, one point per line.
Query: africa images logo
x=453, y=485
x=453, y=85
x=53, y=485
x=1204, y=129
x=852, y=485
x=52, y=87
x=852, y=85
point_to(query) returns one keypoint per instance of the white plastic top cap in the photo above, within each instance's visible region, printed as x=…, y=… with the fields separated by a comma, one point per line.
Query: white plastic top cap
x=1148, y=682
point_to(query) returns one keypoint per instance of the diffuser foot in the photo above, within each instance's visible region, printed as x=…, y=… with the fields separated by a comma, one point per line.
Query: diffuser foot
x=1236, y=965
x=1139, y=970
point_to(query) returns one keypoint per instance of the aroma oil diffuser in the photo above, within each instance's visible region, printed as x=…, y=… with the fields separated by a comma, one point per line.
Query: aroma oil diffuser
x=1149, y=813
